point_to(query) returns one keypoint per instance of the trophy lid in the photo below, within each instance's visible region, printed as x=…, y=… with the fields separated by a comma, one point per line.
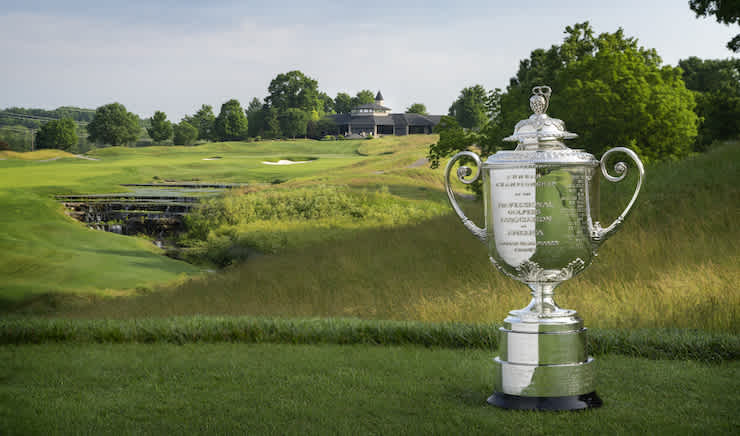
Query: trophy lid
x=539, y=129
x=539, y=138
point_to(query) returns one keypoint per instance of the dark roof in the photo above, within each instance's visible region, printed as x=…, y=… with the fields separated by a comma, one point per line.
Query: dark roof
x=416, y=119
x=341, y=118
x=384, y=121
x=399, y=120
x=379, y=96
x=374, y=106
x=363, y=121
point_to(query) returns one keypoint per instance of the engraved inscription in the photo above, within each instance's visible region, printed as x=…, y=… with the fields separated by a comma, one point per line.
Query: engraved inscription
x=513, y=192
x=537, y=214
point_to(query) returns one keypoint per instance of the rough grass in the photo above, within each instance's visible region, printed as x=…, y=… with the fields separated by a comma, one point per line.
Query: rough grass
x=674, y=264
x=330, y=389
x=36, y=155
x=236, y=223
x=680, y=344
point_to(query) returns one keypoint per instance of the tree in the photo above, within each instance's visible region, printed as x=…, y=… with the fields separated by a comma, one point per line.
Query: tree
x=204, y=121
x=607, y=89
x=319, y=129
x=294, y=90
x=453, y=137
x=328, y=103
x=114, y=125
x=231, y=123
x=293, y=122
x=706, y=75
x=161, y=129
x=61, y=134
x=270, y=122
x=343, y=103
x=725, y=11
x=471, y=107
x=417, y=108
x=363, y=97
x=184, y=133
x=17, y=138
x=620, y=95
x=541, y=68
x=716, y=87
x=254, y=117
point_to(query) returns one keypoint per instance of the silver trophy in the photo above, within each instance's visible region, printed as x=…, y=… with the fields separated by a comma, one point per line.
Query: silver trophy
x=540, y=201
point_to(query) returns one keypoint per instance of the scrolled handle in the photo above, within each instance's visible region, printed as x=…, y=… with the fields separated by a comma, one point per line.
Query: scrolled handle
x=463, y=172
x=599, y=234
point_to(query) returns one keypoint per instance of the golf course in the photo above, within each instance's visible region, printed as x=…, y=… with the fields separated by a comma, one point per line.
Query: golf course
x=341, y=294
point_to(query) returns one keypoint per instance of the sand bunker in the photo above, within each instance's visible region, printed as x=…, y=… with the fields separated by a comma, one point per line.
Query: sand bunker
x=421, y=162
x=286, y=162
x=81, y=156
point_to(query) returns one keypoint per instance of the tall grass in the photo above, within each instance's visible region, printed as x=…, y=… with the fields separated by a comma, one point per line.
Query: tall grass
x=674, y=264
x=226, y=229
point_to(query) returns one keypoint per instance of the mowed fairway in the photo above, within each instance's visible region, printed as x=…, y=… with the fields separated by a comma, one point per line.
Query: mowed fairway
x=45, y=252
x=331, y=389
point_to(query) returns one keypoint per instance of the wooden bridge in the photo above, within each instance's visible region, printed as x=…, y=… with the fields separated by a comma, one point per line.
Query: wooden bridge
x=150, y=211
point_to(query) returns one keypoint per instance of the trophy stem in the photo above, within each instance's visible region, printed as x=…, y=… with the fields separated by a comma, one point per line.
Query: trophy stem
x=543, y=303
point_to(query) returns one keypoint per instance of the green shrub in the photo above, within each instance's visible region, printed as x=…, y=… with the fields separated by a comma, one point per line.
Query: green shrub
x=184, y=133
x=223, y=230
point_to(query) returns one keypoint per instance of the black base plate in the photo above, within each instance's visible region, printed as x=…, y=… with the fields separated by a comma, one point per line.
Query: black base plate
x=575, y=402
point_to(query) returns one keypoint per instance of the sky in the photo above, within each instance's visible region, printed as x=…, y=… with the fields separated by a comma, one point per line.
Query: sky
x=175, y=56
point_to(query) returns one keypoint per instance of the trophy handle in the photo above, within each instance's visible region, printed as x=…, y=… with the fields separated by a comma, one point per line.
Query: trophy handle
x=463, y=172
x=599, y=234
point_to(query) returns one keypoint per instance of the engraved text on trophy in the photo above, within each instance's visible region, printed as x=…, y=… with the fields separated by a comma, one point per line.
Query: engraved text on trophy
x=539, y=216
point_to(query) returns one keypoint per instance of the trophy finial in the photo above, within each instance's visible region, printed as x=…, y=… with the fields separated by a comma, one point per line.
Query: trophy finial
x=539, y=128
x=540, y=99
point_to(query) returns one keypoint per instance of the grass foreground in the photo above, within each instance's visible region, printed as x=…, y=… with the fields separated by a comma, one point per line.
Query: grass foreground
x=331, y=389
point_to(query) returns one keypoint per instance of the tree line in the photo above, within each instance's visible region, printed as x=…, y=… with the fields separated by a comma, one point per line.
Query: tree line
x=611, y=92
x=18, y=127
x=294, y=107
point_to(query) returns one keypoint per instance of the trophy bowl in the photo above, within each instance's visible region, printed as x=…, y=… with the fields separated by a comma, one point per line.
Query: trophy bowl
x=539, y=202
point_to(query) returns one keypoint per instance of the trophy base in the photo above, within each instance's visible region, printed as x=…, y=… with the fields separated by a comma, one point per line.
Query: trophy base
x=573, y=402
x=544, y=365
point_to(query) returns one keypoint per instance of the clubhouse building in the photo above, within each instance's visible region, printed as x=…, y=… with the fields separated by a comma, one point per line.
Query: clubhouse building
x=376, y=119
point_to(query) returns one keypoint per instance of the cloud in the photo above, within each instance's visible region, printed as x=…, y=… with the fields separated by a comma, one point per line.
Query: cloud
x=173, y=66
x=89, y=62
